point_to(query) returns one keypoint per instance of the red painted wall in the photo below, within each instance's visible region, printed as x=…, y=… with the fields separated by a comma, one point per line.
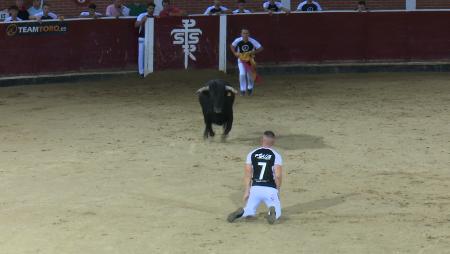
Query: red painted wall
x=70, y=8
x=329, y=37
x=355, y=37
x=87, y=46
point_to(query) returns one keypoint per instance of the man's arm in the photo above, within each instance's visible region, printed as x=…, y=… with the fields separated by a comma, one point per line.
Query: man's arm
x=248, y=172
x=285, y=9
x=319, y=8
x=233, y=50
x=258, y=50
x=138, y=22
x=278, y=176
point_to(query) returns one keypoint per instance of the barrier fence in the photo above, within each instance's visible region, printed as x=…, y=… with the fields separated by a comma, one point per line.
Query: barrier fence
x=202, y=42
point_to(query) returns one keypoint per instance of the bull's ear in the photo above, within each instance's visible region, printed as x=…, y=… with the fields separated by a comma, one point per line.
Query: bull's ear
x=231, y=89
x=201, y=90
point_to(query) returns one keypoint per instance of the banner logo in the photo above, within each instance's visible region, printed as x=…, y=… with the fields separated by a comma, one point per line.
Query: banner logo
x=36, y=28
x=188, y=37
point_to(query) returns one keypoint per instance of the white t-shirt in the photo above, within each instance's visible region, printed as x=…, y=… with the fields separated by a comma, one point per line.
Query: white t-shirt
x=142, y=27
x=279, y=5
x=278, y=159
x=243, y=47
x=212, y=10
x=239, y=11
x=50, y=14
x=86, y=14
x=9, y=19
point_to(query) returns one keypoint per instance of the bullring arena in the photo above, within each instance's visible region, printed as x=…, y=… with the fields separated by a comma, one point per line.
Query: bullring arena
x=122, y=167
x=110, y=162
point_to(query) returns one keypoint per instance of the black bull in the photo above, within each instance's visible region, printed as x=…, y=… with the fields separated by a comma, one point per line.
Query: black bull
x=216, y=99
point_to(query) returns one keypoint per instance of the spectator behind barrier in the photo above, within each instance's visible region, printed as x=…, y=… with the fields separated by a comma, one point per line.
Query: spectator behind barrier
x=216, y=9
x=140, y=23
x=46, y=14
x=117, y=9
x=241, y=7
x=138, y=7
x=272, y=6
x=361, y=6
x=13, y=12
x=35, y=8
x=91, y=12
x=309, y=6
x=171, y=10
x=23, y=13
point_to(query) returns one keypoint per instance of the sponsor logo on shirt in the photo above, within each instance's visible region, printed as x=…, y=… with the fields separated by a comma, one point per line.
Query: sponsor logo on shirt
x=262, y=156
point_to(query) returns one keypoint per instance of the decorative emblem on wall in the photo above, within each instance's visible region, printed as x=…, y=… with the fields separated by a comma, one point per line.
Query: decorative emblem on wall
x=188, y=37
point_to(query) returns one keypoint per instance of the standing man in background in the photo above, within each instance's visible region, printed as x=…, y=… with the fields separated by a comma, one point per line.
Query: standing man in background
x=23, y=12
x=13, y=11
x=117, y=9
x=35, y=8
x=216, y=9
x=140, y=6
x=245, y=48
x=309, y=6
x=262, y=181
x=272, y=6
x=241, y=8
x=140, y=23
x=170, y=10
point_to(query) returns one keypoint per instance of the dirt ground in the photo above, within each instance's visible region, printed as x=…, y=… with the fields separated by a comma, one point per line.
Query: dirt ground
x=121, y=166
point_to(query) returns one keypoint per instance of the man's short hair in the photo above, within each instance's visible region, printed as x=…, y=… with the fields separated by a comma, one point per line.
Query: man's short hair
x=241, y=1
x=13, y=8
x=269, y=134
x=362, y=2
x=92, y=6
x=151, y=4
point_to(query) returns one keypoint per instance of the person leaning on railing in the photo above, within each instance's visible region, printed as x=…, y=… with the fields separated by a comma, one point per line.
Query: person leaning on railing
x=35, y=8
x=117, y=9
x=241, y=8
x=216, y=9
x=91, y=12
x=46, y=14
x=13, y=12
x=361, y=7
x=273, y=6
x=309, y=6
x=23, y=12
x=170, y=10
x=140, y=23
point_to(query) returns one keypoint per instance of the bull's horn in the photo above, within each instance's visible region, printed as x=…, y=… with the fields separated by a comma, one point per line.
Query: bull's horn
x=201, y=90
x=229, y=88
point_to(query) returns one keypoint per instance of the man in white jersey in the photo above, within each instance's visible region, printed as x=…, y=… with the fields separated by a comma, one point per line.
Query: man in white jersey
x=242, y=45
x=140, y=23
x=241, y=8
x=273, y=6
x=216, y=9
x=262, y=180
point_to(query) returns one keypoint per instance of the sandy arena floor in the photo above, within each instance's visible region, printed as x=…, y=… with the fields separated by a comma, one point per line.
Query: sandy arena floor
x=121, y=166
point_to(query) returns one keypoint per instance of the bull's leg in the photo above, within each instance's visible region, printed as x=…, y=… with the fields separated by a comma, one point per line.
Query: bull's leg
x=208, y=130
x=228, y=125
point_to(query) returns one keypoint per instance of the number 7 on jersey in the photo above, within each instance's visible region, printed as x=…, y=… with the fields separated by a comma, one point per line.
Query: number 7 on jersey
x=263, y=169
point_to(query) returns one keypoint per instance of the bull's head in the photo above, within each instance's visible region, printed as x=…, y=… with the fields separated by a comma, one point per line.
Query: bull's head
x=217, y=93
